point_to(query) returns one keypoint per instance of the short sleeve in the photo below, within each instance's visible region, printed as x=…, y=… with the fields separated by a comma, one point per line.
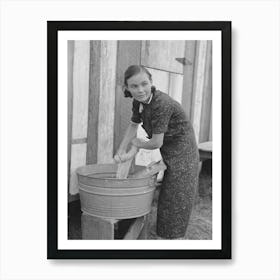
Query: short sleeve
x=161, y=115
x=136, y=117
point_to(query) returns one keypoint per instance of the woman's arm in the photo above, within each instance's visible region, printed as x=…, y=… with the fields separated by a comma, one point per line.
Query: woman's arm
x=128, y=136
x=154, y=143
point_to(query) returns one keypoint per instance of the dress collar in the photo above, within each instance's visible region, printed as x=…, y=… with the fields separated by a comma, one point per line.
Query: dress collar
x=141, y=107
x=149, y=101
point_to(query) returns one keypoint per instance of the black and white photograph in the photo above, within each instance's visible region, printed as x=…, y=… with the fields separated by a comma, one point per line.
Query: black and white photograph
x=140, y=130
x=140, y=140
x=141, y=120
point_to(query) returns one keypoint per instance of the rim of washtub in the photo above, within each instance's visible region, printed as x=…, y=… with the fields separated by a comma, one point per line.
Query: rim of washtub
x=81, y=172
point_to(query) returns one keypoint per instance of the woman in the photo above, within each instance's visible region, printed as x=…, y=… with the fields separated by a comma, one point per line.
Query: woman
x=169, y=130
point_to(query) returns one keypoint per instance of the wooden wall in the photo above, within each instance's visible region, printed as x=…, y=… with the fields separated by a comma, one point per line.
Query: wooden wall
x=99, y=113
x=78, y=89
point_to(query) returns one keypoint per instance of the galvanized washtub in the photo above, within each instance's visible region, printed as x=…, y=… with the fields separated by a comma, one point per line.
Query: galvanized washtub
x=102, y=195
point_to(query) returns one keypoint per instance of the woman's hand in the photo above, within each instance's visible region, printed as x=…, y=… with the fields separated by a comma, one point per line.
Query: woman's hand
x=122, y=156
x=119, y=156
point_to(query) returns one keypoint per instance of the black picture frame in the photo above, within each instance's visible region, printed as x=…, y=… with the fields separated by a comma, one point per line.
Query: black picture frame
x=53, y=27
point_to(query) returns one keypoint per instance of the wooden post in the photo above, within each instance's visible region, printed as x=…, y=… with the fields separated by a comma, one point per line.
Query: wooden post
x=135, y=229
x=70, y=104
x=78, y=109
x=207, y=97
x=95, y=228
x=198, y=86
x=144, y=232
x=80, y=89
x=188, y=74
x=93, y=102
x=107, y=101
x=210, y=128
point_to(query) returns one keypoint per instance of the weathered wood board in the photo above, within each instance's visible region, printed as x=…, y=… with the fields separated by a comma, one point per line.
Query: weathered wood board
x=162, y=55
x=188, y=75
x=207, y=97
x=70, y=59
x=176, y=86
x=78, y=158
x=93, y=106
x=97, y=228
x=107, y=101
x=80, y=89
x=198, y=87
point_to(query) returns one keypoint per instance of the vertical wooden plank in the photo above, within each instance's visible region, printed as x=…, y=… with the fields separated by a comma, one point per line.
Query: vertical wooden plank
x=190, y=50
x=108, y=61
x=128, y=53
x=78, y=158
x=93, y=102
x=80, y=89
x=144, y=232
x=210, y=127
x=198, y=86
x=77, y=109
x=70, y=55
x=135, y=229
x=207, y=97
x=94, y=228
x=176, y=86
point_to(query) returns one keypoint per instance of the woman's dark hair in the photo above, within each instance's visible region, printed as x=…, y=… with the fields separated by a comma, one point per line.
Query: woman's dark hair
x=133, y=70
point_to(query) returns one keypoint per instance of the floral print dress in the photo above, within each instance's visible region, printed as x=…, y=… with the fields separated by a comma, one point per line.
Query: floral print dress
x=180, y=154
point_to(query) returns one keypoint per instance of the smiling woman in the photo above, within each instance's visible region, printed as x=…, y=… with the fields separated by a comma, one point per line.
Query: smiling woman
x=169, y=129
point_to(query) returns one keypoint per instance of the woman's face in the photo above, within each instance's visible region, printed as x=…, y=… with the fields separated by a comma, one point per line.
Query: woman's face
x=139, y=86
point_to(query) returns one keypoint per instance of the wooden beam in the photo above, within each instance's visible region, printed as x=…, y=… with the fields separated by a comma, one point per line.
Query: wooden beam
x=80, y=89
x=190, y=49
x=176, y=86
x=79, y=141
x=70, y=55
x=93, y=102
x=79, y=105
x=97, y=228
x=108, y=60
x=144, y=232
x=210, y=128
x=198, y=86
x=78, y=158
x=207, y=97
x=135, y=229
